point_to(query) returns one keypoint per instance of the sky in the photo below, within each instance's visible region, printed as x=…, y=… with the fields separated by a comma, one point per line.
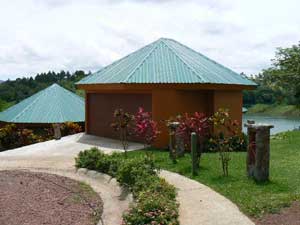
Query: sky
x=41, y=35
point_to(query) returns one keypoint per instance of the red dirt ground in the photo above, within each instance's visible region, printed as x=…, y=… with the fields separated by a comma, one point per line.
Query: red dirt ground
x=28, y=198
x=287, y=216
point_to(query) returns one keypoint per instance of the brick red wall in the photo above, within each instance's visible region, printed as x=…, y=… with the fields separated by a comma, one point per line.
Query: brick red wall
x=101, y=107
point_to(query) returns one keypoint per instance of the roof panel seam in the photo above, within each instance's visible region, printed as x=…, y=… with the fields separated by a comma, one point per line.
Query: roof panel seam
x=141, y=63
x=184, y=62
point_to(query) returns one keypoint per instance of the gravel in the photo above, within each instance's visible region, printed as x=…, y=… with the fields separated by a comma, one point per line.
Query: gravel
x=31, y=198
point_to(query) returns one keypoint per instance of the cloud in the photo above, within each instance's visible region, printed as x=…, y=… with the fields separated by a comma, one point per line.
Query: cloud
x=42, y=35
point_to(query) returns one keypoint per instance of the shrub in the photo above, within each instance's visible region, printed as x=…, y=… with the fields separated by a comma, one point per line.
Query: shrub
x=8, y=136
x=228, y=134
x=12, y=137
x=135, y=169
x=198, y=123
x=145, y=128
x=237, y=143
x=152, y=208
x=69, y=128
x=155, y=199
x=154, y=184
x=92, y=159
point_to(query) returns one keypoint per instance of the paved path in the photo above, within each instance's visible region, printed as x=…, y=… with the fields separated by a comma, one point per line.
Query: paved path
x=199, y=205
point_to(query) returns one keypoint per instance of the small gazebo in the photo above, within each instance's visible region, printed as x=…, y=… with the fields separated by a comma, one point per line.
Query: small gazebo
x=53, y=105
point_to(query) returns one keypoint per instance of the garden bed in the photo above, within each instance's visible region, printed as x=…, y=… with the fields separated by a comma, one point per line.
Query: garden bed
x=40, y=198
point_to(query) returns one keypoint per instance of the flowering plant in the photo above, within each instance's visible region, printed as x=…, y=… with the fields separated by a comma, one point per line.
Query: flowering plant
x=122, y=124
x=197, y=122
x=227, y=132
x=145, y=127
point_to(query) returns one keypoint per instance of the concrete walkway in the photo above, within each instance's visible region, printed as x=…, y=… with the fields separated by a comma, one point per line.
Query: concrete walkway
x=199, y=205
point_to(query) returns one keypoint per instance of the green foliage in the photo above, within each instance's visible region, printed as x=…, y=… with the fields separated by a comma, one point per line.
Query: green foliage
x=133, y=170
x=69, y=128
x=275, y=110
x=92, y=159
x=4, y=105
x=279, y=83
x=21, y=88
x=254, y=199
x=237, y=143
x=12, y=137
x=155, y=199
x=228, y=134
x=152, y=208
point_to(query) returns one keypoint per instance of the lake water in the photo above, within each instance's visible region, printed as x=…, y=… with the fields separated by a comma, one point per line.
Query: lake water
x=280, y=123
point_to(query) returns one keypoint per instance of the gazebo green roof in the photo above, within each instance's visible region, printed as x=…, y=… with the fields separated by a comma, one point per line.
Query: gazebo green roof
x=51, y=105
x=166, y=61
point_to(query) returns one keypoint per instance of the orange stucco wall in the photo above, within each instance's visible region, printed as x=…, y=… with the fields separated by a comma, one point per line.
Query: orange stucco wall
x=170, y=103
x=232, y=100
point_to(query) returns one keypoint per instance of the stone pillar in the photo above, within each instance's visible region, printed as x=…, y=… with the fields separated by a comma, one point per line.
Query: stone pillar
x=258, y=154
x=57, y=131
x=176, y=144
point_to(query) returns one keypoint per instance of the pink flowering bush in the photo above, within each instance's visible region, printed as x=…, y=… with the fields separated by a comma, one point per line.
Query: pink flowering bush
x=145, y=127
x=197, y=122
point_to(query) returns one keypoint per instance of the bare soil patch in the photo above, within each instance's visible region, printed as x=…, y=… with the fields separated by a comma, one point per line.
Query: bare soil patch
x=287, y=216
x=28, y=198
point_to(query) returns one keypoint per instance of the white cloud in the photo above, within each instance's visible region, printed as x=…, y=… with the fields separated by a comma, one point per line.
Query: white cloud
x=41, y=35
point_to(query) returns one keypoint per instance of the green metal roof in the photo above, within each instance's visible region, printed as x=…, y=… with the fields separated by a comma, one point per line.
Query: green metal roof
x=51, y=105
x=165, y=61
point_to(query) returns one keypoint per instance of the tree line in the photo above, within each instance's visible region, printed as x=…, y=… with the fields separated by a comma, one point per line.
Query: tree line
x=14, y=91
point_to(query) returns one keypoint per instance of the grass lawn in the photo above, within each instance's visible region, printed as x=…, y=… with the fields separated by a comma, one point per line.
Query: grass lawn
x=254, y=199
x=275, y=110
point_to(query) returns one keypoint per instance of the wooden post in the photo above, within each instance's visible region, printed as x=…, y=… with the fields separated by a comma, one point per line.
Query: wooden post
x=194, y=153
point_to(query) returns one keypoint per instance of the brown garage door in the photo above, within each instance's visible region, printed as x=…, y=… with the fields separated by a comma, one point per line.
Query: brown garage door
x=101, y=108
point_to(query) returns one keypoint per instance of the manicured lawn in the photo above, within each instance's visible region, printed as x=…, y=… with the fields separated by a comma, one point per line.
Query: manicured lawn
x=253, y=198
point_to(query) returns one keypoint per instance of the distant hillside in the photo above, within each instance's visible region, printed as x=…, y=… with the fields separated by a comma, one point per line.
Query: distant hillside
x=14, y=91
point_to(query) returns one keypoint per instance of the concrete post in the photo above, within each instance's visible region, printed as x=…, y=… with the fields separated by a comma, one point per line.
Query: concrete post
x=57, y=131
x=258, y=154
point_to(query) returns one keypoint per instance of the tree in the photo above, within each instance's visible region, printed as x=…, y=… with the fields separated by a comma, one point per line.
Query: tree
x=286, y=68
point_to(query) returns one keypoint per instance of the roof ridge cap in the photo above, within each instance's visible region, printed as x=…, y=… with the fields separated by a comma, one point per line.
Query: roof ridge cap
x=143, y=60
x=183, y=61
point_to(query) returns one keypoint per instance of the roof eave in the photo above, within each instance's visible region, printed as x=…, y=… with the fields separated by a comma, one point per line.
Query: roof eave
x=147, y=86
